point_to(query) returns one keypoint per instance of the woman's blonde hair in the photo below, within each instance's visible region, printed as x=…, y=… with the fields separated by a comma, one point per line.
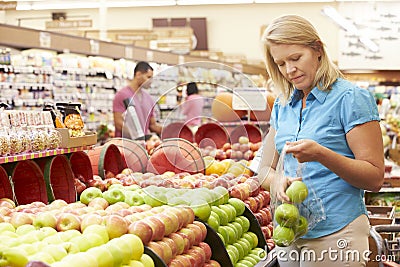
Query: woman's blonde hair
x=292, y=29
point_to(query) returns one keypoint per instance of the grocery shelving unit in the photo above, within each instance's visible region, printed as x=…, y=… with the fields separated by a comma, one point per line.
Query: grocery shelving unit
x=26, y=38
x=94, y=87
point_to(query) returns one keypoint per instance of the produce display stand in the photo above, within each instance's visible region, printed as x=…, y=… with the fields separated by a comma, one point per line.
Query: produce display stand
x=41, y=154
x=39, y=176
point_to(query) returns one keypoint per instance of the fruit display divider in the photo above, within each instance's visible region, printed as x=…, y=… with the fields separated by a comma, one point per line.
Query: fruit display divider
x=256, y=228
x=219, y=252
x=158, y=262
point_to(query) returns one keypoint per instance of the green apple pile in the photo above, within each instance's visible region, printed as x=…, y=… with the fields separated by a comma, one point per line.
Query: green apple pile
x=200, y=200
x=290, y=224
x=233, y=229
x=91, y=247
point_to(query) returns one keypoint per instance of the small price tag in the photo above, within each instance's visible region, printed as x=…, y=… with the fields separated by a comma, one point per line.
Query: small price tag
x=181, y=59
x=149, y=55
x=128, y=52
x=44, y=39
x=94, y=47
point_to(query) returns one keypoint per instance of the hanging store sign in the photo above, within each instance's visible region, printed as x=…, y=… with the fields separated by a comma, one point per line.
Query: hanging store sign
x=8, y=5
x=67, y=24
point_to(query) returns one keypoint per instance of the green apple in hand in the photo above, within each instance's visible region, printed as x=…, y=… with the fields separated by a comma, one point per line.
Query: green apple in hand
x=287, y=215
x=283, y=236
x=302, y=227
x=297, y=191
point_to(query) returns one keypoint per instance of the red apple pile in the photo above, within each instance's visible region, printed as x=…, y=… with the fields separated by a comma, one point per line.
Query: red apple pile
x=153, y=142
x=260, y=206
x=243, y=149
x=185, y=247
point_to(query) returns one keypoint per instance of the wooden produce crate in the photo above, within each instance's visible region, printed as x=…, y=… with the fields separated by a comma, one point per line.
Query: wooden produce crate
x=90, y=138
x=381, y=214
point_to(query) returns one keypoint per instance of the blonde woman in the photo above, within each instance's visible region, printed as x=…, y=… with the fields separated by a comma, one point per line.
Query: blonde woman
x=333, y=126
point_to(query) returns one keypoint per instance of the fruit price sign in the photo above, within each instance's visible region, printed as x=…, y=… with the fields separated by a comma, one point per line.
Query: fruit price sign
x=249, y=99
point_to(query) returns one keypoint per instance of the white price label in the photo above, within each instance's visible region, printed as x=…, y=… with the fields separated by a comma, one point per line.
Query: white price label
x=44, y=39
x=249, y=99
x=181, y=59
x=149, y=55
x=128, y=52
x=94, y=47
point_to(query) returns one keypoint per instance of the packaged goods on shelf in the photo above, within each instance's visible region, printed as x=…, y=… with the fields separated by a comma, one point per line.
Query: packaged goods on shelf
x=27, y=131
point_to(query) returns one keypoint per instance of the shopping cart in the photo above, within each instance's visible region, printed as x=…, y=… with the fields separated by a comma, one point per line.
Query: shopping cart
x=388, y=249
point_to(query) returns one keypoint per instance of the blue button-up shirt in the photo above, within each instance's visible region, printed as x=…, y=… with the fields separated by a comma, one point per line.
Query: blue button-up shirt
x=326, y=119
